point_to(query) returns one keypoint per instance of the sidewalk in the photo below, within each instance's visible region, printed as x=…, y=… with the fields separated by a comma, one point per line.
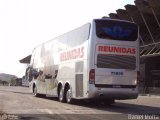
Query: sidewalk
x=149, y=95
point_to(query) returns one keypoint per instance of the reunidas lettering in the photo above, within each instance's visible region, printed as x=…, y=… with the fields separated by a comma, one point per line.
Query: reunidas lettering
x=72, y=54
x=116, y=49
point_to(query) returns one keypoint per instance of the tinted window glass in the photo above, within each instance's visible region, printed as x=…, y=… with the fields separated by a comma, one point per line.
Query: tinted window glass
x=116, y=30
x=116, y=61
x=75, y=37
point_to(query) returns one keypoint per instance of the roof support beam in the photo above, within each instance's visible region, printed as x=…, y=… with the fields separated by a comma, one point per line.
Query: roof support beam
x=142, y=8
x=147, y=4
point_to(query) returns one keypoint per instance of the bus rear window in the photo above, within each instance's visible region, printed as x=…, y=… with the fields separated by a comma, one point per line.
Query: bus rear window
x=116, y=30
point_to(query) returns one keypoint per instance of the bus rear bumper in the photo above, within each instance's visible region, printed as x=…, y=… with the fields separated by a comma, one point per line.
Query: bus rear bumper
x=114, y=93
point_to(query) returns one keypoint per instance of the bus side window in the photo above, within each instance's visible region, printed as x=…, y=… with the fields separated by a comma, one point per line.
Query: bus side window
x=35, y=74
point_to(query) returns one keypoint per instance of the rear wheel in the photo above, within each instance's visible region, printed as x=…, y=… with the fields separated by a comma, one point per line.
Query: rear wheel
x=69, y=98
x=61, y=95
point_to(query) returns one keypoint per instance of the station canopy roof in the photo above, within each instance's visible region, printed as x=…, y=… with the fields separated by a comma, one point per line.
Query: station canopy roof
x=145, y=13
x=26, y=60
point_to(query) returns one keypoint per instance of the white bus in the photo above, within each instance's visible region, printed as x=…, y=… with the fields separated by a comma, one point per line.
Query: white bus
x=98, y=60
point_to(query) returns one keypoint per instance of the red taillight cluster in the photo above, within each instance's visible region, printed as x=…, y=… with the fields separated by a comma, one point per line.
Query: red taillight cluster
x=138, y=76
x=92, y=76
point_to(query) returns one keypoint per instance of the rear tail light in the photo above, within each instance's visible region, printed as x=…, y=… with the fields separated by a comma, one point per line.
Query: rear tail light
x=138, y=76
x=92, y=76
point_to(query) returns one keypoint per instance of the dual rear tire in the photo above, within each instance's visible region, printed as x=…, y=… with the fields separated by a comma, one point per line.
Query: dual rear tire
x=65, y=95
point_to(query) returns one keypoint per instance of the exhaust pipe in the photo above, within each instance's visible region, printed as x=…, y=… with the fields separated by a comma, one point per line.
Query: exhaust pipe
x=101, y=95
